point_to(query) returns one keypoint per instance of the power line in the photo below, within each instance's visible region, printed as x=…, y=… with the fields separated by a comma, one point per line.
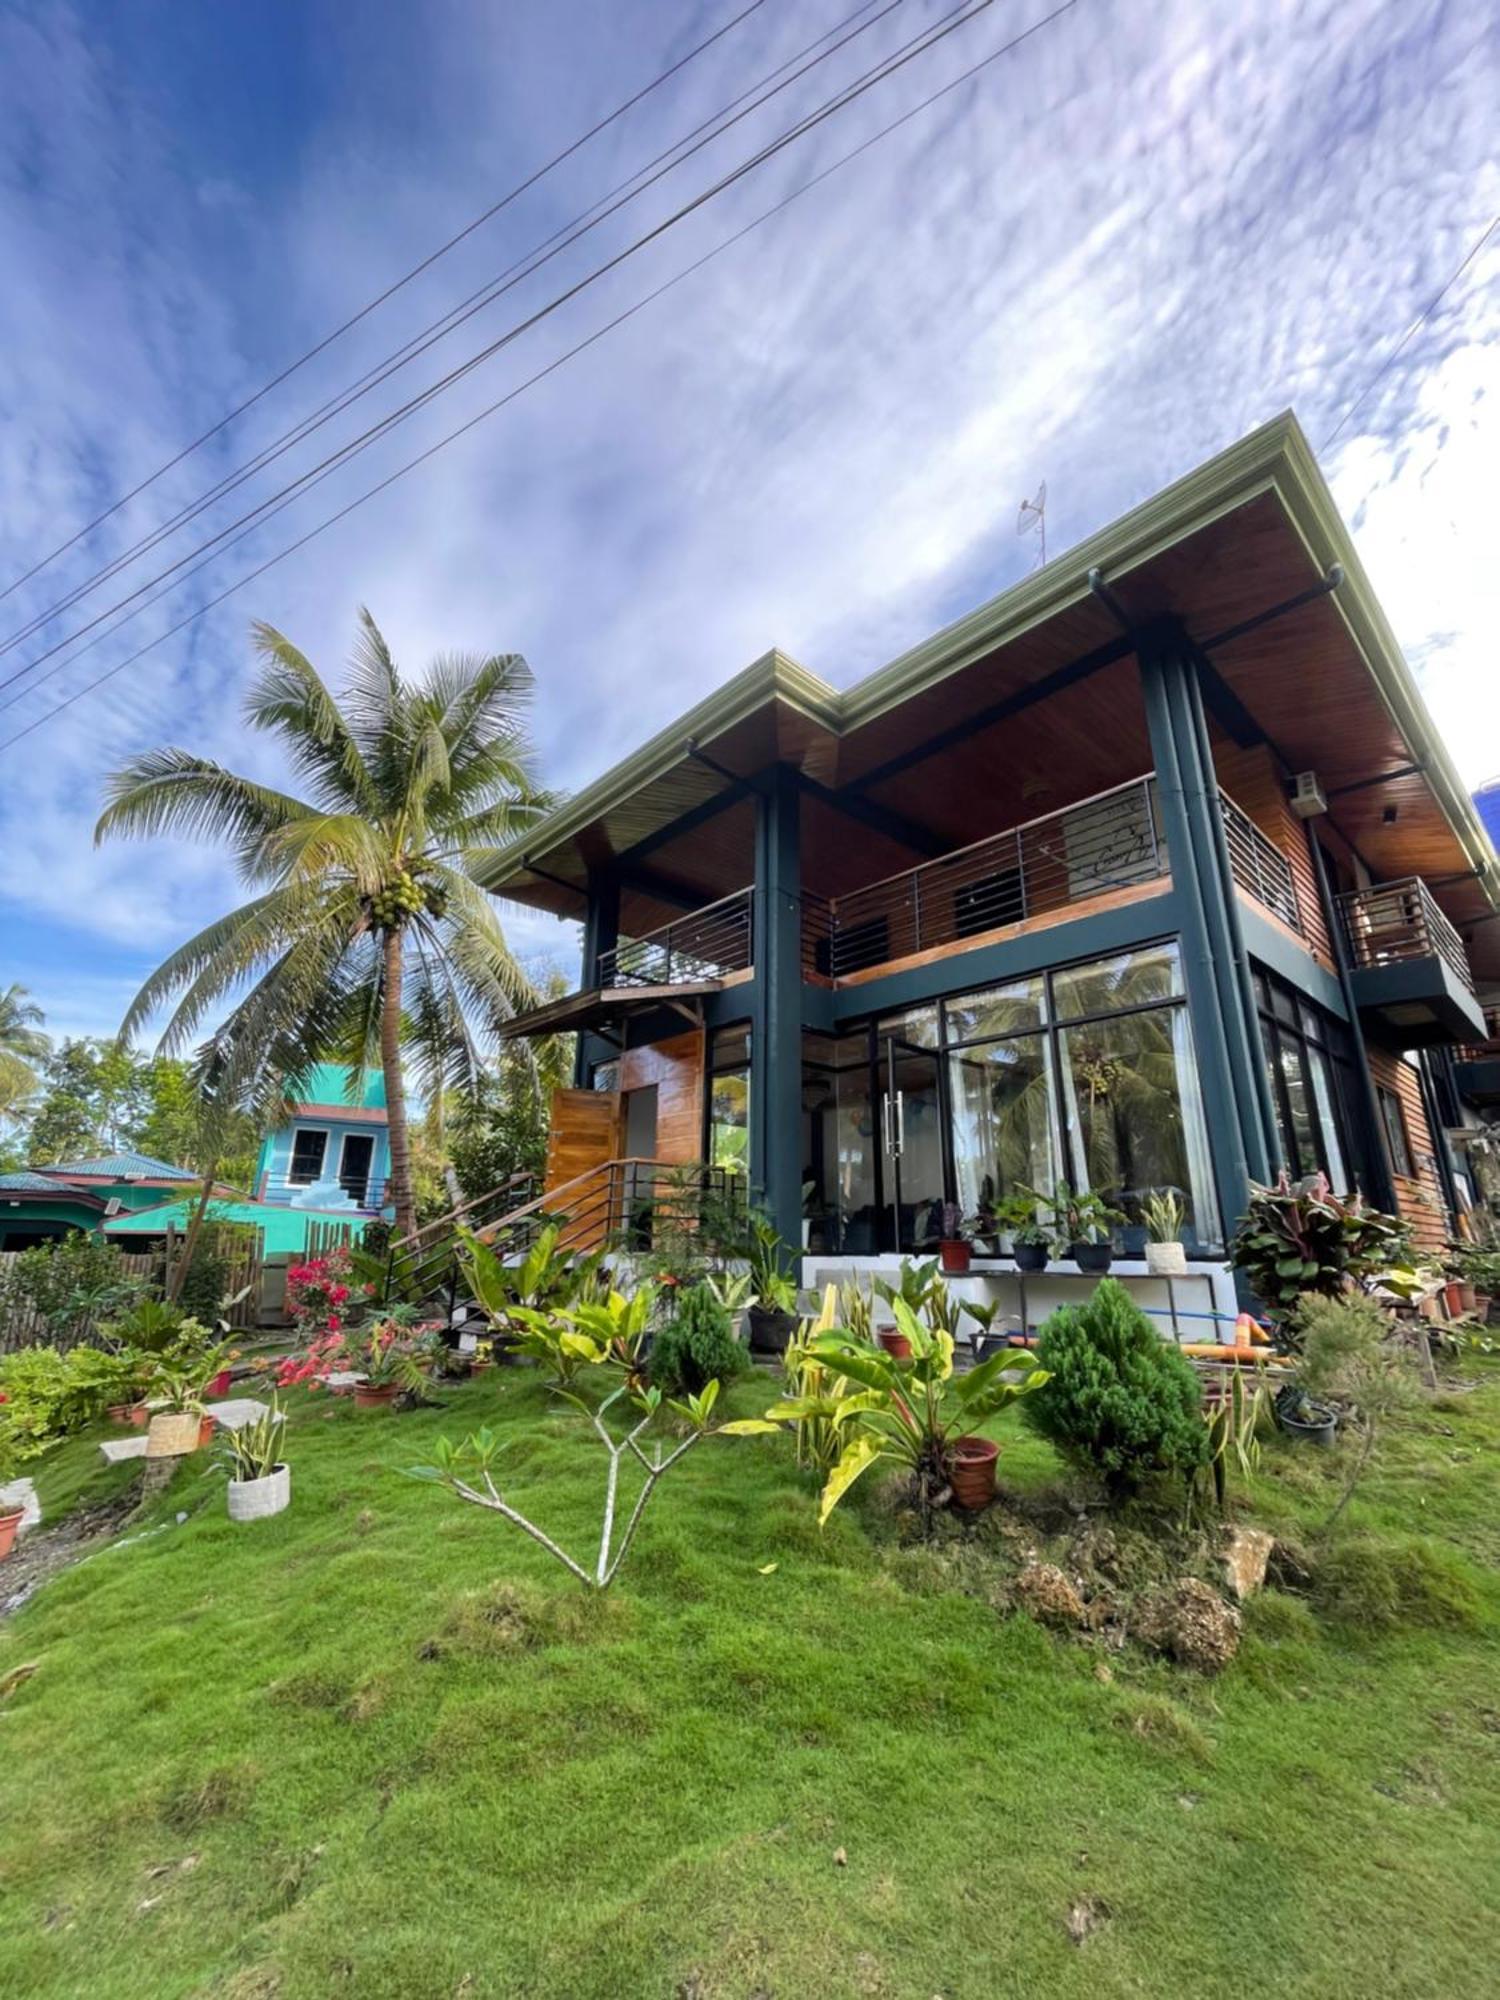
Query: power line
x=1406, y=339
x=541, y=374
x=957, y=17
x=522, y=187
x=427, y=337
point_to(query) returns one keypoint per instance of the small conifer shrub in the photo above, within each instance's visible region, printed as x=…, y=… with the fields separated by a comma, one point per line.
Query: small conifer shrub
x=696, y=1346
x=1119, y=1400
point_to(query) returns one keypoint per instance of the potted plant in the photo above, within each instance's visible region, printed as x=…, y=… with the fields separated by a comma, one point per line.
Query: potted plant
x=11, y=1513
x=385, y=1354
x=1299, y=1236
x=1088, y=1224
x=955, y=1250
x=1163, y=1214
x=773, y=1295
x=181, y=1377
x=1020, y=1216
x=1301, y=1416
x=260, y=1480
x=914, y=1409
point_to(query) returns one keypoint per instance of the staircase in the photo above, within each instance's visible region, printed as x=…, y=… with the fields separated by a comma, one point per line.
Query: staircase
x=630, y=1205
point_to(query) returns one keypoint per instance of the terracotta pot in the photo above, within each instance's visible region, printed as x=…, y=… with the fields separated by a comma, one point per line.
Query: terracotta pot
x=896, y=1345
x=172, y=1434
x=140, y=1415
x=206, y=1428
x=1453, y=1298
x=120, y=1413
x=956, y=1255
x=972, y=1472
x=1482, y=1303
x=10, y=1527
x=374, y=1395
x=1468, y=1297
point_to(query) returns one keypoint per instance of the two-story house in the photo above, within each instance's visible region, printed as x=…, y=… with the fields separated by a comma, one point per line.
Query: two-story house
x=1152, y=872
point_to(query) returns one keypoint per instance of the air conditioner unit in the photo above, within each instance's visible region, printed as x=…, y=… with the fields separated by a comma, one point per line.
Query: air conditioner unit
x=1307, y=796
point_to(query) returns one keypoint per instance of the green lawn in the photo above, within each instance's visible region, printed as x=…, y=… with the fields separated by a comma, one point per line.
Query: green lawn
x=379, y=1746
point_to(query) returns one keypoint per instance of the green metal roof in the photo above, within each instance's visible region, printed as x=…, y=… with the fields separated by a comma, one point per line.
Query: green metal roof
x=328, y=1083
x=1276, y=458
x=124, y=1166
x=284, y=1228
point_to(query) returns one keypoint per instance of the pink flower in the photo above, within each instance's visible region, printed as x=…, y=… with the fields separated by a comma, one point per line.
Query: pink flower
x=334, y=1322
x=338, y=1293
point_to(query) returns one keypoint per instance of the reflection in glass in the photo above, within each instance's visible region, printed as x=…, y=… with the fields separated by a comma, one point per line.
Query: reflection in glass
x=1104, y=985
x=1003, y=1010
x=1004, y=1122
x=1135, y=1116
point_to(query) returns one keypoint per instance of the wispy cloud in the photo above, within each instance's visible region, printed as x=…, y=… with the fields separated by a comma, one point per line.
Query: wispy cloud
x=1113, y=253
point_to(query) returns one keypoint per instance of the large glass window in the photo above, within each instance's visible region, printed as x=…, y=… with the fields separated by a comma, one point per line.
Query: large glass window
x=1311, y=1073
x=729, y=1099
x=1084, y=1074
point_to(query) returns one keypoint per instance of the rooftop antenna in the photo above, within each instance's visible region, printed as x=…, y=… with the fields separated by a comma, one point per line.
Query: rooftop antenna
x=1032, y=520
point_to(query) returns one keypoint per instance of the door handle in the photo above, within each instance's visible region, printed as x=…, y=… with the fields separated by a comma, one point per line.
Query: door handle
x=900, y=1122
x=885, y=1124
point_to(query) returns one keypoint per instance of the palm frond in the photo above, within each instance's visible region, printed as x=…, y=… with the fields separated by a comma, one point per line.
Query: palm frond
x=170, y=791
x=290, y=698
x=333, y=844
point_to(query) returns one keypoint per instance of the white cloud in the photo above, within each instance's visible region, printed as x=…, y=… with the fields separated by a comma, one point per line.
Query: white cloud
x=1118, y=250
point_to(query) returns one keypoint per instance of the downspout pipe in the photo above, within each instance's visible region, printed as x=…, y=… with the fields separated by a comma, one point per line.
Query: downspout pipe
x=1270, y=1135
x=1384, y=1188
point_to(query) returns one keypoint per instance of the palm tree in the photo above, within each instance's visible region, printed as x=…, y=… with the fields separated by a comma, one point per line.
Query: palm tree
x=22, y=1045
x=368, y=902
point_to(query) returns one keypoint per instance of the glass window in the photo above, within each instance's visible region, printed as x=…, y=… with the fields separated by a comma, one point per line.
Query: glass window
x=1004, y=1121
x=1135, y=1114
x=308, y=1149
x=1335, y=1165
x=1308, y=1092
x=1105, y=985
x=1299, y=1105
x=1394, y=1121
x=729, y=1099
x=1003, y=1010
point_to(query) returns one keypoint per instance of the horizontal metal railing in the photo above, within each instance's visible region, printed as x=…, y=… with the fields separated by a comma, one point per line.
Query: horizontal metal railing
x=1258, y=864
x=704, y=944
x=1111, y=841
x=1489, y=1048
x=368, y=1196
x=1393, y=921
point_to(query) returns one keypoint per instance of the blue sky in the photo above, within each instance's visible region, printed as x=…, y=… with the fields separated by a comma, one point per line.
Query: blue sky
x=1120, y=248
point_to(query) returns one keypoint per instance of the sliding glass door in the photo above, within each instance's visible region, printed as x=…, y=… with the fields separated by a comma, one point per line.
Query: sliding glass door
x=909, y=1082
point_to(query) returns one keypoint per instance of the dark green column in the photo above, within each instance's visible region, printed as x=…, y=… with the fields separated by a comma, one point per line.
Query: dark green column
x=1187, y=797
x=601, y=933
x=776, y=1019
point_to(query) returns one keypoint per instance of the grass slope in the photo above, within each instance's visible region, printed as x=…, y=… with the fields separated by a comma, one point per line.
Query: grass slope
x=380, y=1746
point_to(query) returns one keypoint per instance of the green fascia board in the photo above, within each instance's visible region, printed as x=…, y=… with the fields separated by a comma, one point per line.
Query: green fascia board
x=1274, y=458
x=1420, y=982
x=284, y=1228
x=1294, y=963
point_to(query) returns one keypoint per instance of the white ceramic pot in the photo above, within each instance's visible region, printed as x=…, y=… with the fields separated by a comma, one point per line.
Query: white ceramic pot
x=1166, y=1260
x=254, y=1499
x=172, y=1434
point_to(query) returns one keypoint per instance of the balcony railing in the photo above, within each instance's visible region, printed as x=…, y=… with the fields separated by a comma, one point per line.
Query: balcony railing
x=360, y=1197
x=1487, y=1050
x=706, y=944
x=1108, y=842
x=1258, y=865
x=1395, y=921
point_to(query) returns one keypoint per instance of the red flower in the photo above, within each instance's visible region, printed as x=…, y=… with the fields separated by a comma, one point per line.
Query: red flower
x=334, y=1322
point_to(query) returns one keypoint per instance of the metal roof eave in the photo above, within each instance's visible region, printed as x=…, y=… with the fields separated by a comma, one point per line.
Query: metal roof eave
x=1276, y=457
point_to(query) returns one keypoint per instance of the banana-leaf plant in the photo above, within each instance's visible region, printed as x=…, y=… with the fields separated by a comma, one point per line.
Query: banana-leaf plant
x=910, y=1409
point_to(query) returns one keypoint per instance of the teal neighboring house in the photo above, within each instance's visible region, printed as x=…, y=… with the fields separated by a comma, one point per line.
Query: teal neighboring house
x=329, y=1162
x=39, y=1204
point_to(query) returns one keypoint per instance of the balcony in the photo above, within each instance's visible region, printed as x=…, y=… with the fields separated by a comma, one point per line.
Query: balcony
x=1109, y=846
x=1476, y=1066
x=339, y=1197
x=1410, y=970
x=709, y=944
x=1258, y=865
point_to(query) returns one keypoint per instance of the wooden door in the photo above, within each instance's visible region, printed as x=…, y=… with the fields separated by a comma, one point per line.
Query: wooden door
x=586, y=1131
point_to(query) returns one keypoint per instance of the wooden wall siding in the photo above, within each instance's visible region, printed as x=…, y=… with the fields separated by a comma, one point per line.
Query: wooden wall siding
x=1419, y=1199
x=675, y=1066
x=1256, y=782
